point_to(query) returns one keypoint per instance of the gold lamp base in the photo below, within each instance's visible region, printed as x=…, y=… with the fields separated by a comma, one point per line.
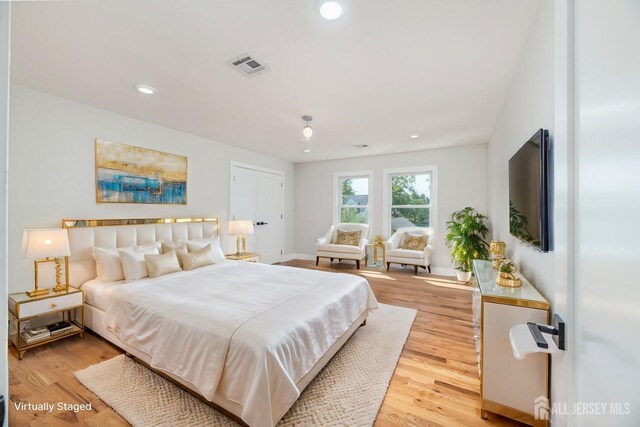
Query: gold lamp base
x=60, y=288
x=37, y=292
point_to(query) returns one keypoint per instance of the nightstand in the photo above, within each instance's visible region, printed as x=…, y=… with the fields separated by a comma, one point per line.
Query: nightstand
x=23, y=308
x=250, y=257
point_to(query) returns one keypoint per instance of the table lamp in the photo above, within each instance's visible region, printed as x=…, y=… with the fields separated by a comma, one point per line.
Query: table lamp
x=46, y=246
x=240, y=229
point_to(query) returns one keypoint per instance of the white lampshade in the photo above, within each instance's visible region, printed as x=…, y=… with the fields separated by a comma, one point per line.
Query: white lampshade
x=307, y=131
x=51, y=243
x=240, y=228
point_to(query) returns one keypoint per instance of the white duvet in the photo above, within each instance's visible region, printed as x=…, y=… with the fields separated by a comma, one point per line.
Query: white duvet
x=246, y=331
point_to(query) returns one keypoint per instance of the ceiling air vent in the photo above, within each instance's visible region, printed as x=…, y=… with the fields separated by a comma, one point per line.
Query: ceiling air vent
x=247, y=65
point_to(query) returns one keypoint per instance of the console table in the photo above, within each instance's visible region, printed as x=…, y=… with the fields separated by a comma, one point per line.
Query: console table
x=508, y=386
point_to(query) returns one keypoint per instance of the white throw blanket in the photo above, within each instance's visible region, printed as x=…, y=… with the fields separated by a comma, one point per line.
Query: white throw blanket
x=246, y=331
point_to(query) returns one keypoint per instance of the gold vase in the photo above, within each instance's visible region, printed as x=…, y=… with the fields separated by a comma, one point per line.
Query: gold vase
x=508, y=280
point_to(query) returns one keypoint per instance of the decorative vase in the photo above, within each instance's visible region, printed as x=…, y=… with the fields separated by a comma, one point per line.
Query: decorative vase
x=463, y=276
x=497, y=249
x=507, y=278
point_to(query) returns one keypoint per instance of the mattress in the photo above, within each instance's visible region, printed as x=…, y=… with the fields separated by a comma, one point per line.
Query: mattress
x=245, y=331
x=96, y=293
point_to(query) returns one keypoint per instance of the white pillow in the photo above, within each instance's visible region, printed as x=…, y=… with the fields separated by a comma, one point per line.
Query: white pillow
x=218, y=254
x=133, y=263
x=108, y=264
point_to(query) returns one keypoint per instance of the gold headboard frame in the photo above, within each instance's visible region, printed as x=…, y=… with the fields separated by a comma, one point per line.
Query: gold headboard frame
x=74, y=223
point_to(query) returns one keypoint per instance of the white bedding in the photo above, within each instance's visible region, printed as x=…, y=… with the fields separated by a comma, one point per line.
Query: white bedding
x=96, y=292
x=247, y=331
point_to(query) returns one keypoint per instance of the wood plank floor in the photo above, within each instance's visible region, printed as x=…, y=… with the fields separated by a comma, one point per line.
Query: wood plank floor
x=435, y=383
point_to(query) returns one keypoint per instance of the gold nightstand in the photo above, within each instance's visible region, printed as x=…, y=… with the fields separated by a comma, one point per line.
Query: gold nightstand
x=250, y=257
x=23, y=308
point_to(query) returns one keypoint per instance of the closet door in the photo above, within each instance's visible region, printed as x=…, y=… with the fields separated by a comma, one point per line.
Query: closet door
x=258, y=195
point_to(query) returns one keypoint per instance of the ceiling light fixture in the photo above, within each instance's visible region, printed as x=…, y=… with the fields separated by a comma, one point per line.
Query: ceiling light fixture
x=307, y=131
x=414, y=136
x=146, y=89
x=307, y=150
x=331, y=10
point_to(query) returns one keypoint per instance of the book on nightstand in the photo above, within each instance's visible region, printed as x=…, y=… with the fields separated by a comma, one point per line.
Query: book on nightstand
x=59, y=328
x=35, y=335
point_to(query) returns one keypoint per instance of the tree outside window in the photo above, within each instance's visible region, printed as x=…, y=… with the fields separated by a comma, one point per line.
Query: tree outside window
x=410, y=200
x=354, y=199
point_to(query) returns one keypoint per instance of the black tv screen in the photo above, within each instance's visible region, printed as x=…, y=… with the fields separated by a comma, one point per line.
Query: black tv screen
x=528, y=192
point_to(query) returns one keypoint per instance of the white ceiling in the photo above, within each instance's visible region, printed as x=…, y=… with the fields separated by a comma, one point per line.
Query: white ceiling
x=385, y=70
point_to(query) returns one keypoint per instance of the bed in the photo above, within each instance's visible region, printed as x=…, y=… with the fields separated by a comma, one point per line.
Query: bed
x=245, y=337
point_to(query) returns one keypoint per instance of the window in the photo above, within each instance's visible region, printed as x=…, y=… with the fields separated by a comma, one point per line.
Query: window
x=409, y=198
x=353, y=199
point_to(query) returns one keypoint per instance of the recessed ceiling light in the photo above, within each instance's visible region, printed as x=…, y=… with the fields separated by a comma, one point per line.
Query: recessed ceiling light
x=146, y=89
x=307, y=150
x=414, y=136
x=331, y=10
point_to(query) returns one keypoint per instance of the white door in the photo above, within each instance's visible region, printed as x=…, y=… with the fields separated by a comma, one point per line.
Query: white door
x=258, y=195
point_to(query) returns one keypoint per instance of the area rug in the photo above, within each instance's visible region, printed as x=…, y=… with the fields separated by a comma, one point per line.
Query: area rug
x=347, y=392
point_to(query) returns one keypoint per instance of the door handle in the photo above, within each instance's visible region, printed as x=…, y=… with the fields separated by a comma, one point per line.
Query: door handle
x=262, y=223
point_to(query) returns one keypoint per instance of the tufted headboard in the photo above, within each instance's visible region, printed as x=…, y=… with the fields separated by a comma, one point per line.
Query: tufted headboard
x=84, y=234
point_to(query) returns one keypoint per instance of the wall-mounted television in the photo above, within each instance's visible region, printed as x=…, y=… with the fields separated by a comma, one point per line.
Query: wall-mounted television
x=529, y=192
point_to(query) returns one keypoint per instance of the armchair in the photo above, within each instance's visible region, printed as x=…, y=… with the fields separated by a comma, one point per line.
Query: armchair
x=326, y=248
x=396, y=255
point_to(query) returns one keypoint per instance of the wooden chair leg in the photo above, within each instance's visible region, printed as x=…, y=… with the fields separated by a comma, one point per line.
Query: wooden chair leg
x=317, y=260
x=331, y=259
x=388, y=265
x=358, y=264
x=415, y=269
x=429, y=268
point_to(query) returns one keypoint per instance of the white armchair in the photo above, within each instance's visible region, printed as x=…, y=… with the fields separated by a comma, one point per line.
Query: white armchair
x=327, y=248
x=396, y=255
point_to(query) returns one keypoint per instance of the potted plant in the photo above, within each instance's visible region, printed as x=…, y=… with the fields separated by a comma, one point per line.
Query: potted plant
x=466, y=239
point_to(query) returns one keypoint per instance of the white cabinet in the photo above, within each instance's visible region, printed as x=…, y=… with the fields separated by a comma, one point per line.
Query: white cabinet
x=509, y=386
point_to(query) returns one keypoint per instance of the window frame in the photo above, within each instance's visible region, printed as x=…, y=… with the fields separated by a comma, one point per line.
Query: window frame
x=387, y=175
x=337, y=194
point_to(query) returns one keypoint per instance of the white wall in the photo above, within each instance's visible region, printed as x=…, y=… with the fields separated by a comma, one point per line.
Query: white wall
x=462, y=181
x=540, y=96
x=528, y=106
x=53, y=177
x=608, y=207
x=5, y=35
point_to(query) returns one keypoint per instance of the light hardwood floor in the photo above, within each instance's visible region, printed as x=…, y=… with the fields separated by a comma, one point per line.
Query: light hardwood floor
x=435, y=383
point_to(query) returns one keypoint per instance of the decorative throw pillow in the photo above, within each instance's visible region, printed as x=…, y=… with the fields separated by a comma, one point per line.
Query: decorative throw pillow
x=218, y=253
x=197, y=259
x=108, y=264
x=414, y=242
x=133, y=263
x=348, y=237
x=173, y=246
x=159, y=265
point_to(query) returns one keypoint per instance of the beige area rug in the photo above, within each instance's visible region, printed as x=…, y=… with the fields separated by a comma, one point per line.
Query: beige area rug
x=347, y=392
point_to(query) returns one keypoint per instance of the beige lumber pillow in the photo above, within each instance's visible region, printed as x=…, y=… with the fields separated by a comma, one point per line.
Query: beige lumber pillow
x=414, y=242
x=348, y=237
x=159, y=265
x=197, y=259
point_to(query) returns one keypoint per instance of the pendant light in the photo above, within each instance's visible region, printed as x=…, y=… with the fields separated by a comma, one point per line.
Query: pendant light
x=307, y=131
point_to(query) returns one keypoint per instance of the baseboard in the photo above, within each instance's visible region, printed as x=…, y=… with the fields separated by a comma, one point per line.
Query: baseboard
x=440, y=271
x=306, y=257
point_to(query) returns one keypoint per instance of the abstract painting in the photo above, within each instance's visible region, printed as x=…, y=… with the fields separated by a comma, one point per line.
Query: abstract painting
x=128, y=174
